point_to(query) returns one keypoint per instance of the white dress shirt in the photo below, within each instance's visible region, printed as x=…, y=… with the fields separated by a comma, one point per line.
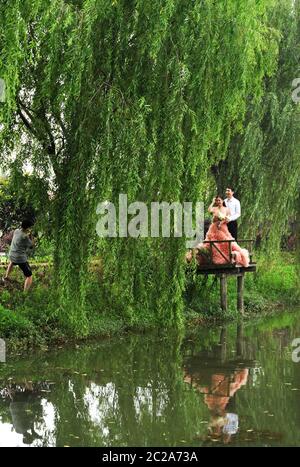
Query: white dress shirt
x=235, y=208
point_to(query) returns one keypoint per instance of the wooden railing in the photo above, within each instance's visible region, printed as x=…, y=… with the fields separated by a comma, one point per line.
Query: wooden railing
x=228, y=259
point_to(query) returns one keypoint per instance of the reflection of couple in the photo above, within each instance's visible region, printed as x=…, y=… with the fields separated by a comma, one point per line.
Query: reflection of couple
x=218, y=394
x=223, y=227
x=219, y=378
x=217, y=397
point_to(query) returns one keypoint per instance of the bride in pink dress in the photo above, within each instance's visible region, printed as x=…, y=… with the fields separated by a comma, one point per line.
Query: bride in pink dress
x=218, y=231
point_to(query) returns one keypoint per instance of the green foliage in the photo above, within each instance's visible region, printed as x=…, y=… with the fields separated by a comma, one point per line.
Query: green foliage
x=35, y=319
x=277, y=280
x=263, y=162
x=133, y=97
x=12, y=324
x=14, y=204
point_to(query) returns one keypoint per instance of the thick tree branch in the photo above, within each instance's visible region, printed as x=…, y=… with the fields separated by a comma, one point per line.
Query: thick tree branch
x=27, y=124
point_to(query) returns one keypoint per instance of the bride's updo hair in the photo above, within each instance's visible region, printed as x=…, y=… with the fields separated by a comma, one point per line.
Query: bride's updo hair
x=220, y=197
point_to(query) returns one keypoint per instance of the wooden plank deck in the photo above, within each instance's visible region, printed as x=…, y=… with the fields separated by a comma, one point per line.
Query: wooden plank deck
x=230, y=269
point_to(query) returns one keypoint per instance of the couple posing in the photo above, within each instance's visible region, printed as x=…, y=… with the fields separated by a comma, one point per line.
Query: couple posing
x=223, y=227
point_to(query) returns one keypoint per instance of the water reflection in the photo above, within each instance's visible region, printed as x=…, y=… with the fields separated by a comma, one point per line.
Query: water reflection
x=219, y=377
x=24, y=406
x=229, y=386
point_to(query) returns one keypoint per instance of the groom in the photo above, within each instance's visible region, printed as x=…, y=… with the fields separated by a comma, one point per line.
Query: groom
x=235, y=208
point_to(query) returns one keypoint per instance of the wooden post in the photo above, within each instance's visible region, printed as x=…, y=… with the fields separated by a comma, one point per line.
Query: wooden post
x=240, y=293
x=223, y=284
x=223, y=344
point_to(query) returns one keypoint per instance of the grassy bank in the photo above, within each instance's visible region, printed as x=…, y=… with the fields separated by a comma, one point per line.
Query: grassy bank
x=33, y=320
x=29, y=320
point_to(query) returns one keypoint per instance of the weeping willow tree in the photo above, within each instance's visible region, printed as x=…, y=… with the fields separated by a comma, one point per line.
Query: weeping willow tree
x=127, y=96
x=263, y=161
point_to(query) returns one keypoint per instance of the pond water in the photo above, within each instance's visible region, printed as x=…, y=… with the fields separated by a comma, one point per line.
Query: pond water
x=236, y=385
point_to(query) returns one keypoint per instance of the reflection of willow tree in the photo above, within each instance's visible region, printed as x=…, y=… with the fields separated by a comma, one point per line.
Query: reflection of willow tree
x=270, y=405
x=276, y=414
x=132, y=391
x=298, y=244
x=127, y=97
x=124, y=393
x=128, y=395
x=21, y=406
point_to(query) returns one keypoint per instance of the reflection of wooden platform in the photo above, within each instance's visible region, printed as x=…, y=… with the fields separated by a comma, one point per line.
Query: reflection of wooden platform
x=197, y=363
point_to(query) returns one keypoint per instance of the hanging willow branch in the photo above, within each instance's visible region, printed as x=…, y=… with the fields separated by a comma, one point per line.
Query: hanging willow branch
x=144, y=98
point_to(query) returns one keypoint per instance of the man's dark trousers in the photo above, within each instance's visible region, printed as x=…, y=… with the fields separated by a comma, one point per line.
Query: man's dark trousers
x=233, y=229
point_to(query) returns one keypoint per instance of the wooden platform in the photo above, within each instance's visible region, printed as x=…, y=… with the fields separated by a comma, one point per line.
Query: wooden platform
x=222, y=271
x=225, y=269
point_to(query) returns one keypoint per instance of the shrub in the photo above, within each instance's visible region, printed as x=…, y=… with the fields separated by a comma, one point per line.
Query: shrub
x=13, y=324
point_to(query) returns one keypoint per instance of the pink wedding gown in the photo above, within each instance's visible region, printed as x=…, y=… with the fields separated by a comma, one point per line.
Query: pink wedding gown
x=240, y=255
